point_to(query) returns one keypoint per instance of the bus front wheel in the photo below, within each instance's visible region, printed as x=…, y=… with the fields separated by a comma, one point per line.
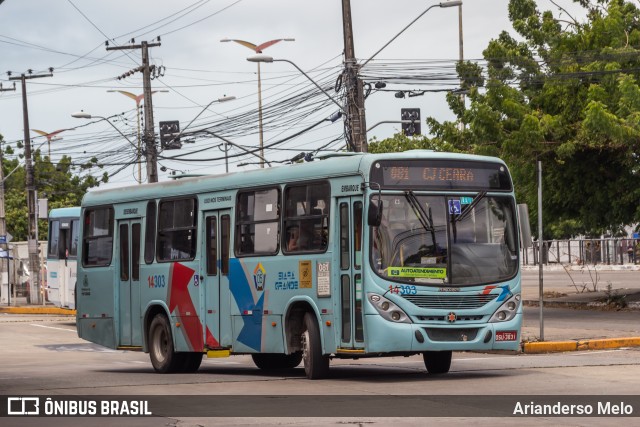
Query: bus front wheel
x=163, y=357
x=316, y=365
x=437, y=362
x=268, y=361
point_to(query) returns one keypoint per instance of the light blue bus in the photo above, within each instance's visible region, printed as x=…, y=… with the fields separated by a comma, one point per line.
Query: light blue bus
x=355, y=255
x=62, y=252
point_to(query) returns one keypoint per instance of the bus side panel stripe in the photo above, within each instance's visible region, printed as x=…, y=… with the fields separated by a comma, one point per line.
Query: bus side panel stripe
x=251, y=332
x=180, y=301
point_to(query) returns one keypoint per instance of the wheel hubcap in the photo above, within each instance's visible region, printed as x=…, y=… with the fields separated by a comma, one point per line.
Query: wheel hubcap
x=160, y=345
x=305, y=348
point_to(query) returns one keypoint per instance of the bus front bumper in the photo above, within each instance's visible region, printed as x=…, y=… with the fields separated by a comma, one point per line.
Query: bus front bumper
x=419, y=337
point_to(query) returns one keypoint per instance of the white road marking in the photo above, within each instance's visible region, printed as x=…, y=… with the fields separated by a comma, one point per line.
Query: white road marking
x=52, y=327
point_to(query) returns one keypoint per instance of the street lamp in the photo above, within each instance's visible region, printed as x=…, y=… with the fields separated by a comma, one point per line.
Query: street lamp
x=223, y=99
x=390, y=121
x=266, y=58
x=138, y=100
x=263, y=160
x=442, y=4
x=258, y=49
x=51, y=136
x=83, y=115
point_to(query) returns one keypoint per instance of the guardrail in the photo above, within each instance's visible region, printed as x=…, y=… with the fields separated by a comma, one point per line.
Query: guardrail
x=610, y=251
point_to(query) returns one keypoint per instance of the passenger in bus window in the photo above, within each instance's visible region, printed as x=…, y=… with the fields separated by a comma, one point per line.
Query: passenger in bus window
x=294, y=235
x=299, y=238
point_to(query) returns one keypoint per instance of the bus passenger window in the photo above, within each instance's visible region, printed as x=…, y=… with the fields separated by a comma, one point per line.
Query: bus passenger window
x=75, y=229
x=177, y=230
x=257, y=222
x=97, y=239
x=54, y=237
x=150, y=233
x=306, y=218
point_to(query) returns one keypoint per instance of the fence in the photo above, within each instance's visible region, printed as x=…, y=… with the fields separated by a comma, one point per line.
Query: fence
x=584, y=251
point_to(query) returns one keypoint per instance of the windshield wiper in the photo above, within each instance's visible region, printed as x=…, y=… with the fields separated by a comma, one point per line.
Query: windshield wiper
x=426, y=220
x=467, y=210
x=421, y=214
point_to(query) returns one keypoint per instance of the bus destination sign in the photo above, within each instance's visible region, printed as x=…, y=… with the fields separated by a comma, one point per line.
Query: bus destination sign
x=441, y=175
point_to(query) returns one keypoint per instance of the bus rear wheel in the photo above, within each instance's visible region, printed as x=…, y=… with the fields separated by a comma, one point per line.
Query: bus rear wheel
x=437, y=362
x=163, y=357
x=272, y=361
x=316, y=365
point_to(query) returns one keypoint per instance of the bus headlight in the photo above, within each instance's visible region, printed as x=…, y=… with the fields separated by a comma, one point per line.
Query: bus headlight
x=507, y=310
x=388, y=309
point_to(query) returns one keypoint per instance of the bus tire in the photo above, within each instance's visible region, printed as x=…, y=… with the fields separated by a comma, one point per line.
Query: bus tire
x=191, y=362
x=276, y=361
x=437, y=362
x=163, y=356
x=316, y=364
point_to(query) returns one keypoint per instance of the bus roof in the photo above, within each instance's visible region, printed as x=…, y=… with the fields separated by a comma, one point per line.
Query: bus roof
x=72, y=212
x=331, y=166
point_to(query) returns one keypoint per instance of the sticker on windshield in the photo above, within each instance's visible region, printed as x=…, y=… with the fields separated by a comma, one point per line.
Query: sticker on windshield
x=455, y=208
x=466, y=200
x=426, y=273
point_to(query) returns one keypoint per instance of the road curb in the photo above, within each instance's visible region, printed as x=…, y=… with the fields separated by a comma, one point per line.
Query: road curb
x=579, y=345
x=37, y=310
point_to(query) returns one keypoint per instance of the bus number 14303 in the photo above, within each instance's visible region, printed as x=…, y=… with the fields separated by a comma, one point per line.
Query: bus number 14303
x=156, y=281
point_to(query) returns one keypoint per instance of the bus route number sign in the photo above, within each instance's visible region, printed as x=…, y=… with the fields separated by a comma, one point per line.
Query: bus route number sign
x=441, y=174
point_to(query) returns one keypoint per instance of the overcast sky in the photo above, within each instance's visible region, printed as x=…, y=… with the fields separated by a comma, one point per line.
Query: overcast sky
x=69, y=36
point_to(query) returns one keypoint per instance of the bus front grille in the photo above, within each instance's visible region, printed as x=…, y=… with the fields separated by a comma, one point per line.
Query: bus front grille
x=451, y=302
x=451, y=335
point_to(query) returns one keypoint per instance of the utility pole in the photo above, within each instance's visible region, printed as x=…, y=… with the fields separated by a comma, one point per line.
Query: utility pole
x=151, y=150
x=461, y=54
x=357, y=129
x=3, y=222
x=3, y=228
x=34, y=258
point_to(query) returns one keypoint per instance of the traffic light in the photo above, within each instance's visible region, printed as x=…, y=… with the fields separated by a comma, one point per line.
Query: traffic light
x=413, y=114
x=169, y=135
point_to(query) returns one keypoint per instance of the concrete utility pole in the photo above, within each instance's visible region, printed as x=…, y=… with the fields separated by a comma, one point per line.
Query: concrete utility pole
x=3, y=222
x=149, y=136
x=3, y=229
x=460, y=42
x=357, y=128
x=32, y=232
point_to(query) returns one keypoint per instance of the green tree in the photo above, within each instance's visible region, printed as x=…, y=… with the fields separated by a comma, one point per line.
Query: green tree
x=567, y=93
x=59, y=183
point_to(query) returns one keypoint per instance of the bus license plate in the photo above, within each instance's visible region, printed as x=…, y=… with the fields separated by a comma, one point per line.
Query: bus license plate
x=506, y=335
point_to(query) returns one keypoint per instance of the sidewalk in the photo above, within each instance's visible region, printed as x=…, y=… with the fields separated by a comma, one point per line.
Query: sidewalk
x=36, y=309
x=627, y=300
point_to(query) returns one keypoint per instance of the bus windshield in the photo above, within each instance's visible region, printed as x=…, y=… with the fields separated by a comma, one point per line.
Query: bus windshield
x=452, y=240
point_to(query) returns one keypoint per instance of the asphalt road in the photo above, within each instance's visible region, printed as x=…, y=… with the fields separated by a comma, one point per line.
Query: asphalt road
x=42, y=355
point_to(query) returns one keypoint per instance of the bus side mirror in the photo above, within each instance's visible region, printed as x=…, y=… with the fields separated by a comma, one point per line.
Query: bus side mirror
x=523, y=225
x=374, y=215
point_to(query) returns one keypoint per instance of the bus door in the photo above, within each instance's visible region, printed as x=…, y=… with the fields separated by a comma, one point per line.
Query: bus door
x=68, y=249
x=63, y=272
x=128, y=273
x=215, y=274
x=350, y=263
